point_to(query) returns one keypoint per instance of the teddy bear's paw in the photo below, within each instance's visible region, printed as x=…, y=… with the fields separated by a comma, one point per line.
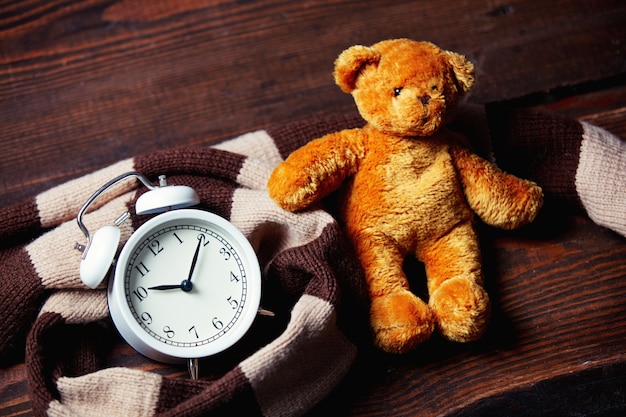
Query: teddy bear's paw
x=400, y=321
x=289, y=191
x=461, y=308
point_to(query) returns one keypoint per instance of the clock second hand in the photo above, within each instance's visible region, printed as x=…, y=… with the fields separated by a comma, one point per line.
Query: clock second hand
x=186, y=284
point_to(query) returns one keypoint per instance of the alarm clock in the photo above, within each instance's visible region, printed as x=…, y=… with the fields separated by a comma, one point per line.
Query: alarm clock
x=187, y=283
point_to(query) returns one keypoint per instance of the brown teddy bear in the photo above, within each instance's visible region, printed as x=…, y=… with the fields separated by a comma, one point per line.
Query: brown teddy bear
x=410, y=187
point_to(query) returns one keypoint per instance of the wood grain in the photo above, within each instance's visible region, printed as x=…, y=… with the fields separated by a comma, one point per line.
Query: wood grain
x=86, y=83
x=555, y=345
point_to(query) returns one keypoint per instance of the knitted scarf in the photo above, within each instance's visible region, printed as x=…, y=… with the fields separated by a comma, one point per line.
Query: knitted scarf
x=288, y=363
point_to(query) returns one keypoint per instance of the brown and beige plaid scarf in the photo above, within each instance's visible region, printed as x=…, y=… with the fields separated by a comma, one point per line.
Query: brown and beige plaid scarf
x=286, y=364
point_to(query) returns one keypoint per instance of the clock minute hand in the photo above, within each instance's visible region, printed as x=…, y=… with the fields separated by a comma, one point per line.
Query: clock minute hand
x=195, y=257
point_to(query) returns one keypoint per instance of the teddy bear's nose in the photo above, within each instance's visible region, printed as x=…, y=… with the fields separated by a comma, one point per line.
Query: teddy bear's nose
x=424, y=99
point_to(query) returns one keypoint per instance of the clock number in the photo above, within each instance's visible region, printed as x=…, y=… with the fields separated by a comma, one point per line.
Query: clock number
x=233, y=277
x=155, y=247
x=169, y=332
x=194, y=331
x=233, y=303
x=178, y=238
x=225, y=253
x=147, y=318
x=141, y=293
x=142, y=269
x=217, y=323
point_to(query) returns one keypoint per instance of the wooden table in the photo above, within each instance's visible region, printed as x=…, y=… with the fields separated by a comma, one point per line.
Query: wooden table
x=86, y=83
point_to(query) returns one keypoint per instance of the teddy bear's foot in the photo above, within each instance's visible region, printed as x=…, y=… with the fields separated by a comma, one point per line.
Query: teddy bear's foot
x=400, y=321
x=461, y=308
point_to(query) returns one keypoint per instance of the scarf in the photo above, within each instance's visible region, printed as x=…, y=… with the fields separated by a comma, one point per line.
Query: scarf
x=286, y=364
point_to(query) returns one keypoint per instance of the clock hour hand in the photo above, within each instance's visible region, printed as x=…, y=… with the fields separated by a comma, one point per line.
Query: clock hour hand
x=186, y=286
x=167, y=287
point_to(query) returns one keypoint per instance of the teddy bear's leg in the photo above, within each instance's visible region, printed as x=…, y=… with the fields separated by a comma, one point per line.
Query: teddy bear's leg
x=454, y=273
x=399, y=319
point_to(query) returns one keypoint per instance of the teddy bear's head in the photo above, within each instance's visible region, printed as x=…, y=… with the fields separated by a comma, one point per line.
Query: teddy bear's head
x=403, y=87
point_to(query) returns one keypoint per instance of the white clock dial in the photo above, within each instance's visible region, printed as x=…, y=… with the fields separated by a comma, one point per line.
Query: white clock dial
x=187, y=285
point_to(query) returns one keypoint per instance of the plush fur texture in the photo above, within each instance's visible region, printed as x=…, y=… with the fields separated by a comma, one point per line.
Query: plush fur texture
x=410, y=186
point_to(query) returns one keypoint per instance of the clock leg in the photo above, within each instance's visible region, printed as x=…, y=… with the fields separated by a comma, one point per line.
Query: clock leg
x=192, y=367
x=264, y=312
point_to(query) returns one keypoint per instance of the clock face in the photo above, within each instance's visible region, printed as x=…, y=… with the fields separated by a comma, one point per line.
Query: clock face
x=187, y=285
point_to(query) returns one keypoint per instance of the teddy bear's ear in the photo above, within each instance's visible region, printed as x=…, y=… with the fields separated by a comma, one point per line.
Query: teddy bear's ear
x=350, y=63
x=463, y=70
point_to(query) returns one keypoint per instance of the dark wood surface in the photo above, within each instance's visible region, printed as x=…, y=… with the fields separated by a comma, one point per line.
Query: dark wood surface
x=86, y=83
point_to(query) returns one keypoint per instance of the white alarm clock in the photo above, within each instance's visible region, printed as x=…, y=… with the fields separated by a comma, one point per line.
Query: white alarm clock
x=187, y=283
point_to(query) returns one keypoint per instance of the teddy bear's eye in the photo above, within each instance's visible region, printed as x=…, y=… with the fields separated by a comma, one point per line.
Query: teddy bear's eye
x=397, y=91
x=434, y=88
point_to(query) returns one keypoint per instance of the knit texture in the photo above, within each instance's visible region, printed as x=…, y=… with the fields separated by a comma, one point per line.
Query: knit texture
x=286, y=364
x=577, y=164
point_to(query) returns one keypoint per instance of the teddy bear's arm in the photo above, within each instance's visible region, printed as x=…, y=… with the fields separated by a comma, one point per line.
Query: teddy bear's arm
x=498, y=198
x=316, y=169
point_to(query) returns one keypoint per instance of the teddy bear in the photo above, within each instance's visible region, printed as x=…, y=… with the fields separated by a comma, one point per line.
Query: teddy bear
x=407, y=185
